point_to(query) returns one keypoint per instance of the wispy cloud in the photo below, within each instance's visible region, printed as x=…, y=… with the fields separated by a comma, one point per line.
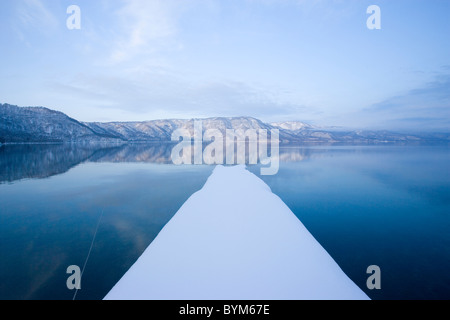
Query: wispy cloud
x=424, y=108
x=34, y=13
x=31, y=16
x=145, y=24
x=154, y=95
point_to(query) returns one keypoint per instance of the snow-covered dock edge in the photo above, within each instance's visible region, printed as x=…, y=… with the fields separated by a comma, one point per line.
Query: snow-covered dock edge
x=235, y=240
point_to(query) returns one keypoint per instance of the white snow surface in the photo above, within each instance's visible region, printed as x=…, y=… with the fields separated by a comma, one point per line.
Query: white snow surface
x=235, y=240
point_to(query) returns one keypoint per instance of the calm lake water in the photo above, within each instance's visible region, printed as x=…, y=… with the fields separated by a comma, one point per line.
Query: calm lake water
x=387, y=206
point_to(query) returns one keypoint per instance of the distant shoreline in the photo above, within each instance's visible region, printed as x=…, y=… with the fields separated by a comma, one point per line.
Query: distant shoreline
x=35, y=125
x=282, y=144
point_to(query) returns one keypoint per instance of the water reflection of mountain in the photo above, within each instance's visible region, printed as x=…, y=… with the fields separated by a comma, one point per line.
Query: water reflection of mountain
x=150, y=153
x=38, y=161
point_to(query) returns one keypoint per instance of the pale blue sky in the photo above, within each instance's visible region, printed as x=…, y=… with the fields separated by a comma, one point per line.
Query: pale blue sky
x=314, y=61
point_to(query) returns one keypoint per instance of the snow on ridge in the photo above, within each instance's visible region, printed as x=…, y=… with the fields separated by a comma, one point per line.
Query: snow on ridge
x=235, y=240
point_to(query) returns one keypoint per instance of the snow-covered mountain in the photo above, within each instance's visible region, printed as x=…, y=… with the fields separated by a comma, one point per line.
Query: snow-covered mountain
x=294, y=126
x=37, y=124
x=161, y=130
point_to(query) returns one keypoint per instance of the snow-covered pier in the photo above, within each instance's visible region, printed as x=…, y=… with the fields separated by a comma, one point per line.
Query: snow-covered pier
x=235, y=240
